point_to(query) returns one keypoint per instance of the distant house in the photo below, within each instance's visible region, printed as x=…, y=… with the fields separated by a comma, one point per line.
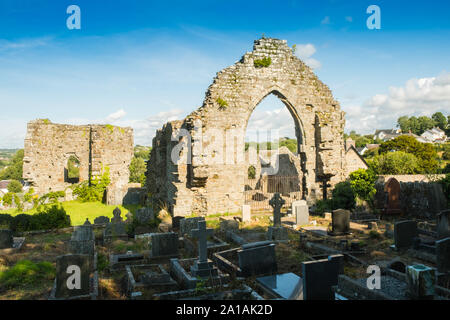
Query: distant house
x=4, y=187
x=353, y=158
x=435, y=135
x=386, y=134
x=367, y=147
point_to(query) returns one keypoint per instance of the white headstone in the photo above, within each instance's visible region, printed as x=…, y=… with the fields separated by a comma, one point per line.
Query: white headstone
x=246, y=213
x=301, y=212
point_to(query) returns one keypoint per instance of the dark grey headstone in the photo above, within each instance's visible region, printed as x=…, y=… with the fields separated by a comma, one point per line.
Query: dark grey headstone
x=257, y=260
x=188, y=224
x=6, y=239
x=116, y=216
x=404, y=233
x=144, y=215
x=443, y=255
x=72, y=276
x=176, y=222
x=164, y=244
x=83, y=240
x=340, y=222
x=443, y=224
x=287, y=286
x=320, y=276
x=101, y=220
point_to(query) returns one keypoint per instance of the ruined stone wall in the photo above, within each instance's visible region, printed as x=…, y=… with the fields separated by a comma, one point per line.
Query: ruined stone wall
x=48, y=147
x=205, y=187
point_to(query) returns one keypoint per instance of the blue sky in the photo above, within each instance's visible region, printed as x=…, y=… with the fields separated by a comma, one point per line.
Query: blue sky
x=142, y=63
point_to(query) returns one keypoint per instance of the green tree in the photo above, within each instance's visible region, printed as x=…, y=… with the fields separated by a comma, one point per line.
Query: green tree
x=362, y=182
x=403, y=123
x=425, y=123
x=343, y=196
x=15, y=186
x=73, y=168
x=14, y=169
x=397, y=162
x=142, y=152
x=440, y=120
x=138, y=168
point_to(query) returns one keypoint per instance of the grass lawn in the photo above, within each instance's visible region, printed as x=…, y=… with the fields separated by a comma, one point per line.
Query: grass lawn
x=79, y=211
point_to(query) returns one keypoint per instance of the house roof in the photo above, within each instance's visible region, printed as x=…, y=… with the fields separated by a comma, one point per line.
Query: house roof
x=357, y=153
x=4, y=184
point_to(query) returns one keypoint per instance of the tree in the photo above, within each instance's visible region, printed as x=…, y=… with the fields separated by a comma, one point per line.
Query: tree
x=398, y=162
x=343, y=196
x=425, y=123
x=138, y=168
x=424, y=152
x=15, y=186
x=403, y=123
x=439, y=120
x=14, y=169
x=362, y=182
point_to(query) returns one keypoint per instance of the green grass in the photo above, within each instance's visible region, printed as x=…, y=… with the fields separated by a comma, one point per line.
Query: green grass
x=26, y=272
x=79, y=211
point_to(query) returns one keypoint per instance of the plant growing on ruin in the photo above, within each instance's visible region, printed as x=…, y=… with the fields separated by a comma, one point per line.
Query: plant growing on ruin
x=262, y=63
x=93, y=191
x=222, y=103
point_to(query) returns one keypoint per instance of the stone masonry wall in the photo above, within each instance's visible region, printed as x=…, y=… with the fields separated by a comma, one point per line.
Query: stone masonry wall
x=205, y=187
x=48, y=147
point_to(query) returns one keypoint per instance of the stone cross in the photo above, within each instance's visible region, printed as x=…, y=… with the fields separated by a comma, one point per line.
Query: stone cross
x=202, y=234
x=276, y=203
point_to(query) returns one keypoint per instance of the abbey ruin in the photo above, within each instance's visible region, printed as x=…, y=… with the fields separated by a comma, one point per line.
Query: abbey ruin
x=200, y=183
x=49, y=146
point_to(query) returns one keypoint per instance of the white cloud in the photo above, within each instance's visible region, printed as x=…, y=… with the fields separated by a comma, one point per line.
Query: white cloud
x=419, y=97
x=304, y=53
x=325, y=20
x=116, y=116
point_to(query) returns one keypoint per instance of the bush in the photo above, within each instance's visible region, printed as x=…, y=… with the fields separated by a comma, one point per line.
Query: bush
x=15, y=186
x=47, y=218
x=262, y=63
x=25, y=273
x=8, y=199
x=94, y=191
x=362, y=182
x=445, y=182
x=343, y=196
x=52, y=197
x=324, y=206
x=5, y=220
x=398, y=162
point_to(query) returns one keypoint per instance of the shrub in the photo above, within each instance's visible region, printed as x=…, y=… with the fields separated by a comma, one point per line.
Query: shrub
x=22, y=222
x=324, y=206
x=8, y=199
x=52, y=197
x=222, y=103
x=262, y=63
x=25, y=273
x=343, y=196
x=445, y=182
x=94, y=191
x=28, y=197
x=5, y=220
x=15, y=186
x=362, y=182
x=53, y=217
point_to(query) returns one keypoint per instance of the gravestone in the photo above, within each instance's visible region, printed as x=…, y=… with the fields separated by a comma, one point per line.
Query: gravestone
x=101, y=220
x=6, y=239
x=72, y=276
x=203, y=267
x=392, y=202
x=340, y=222
x=257, y=258
x=87, y=222
x=277, y=232
x=443, y=255
x=229, y=225
x=246, y=213
x=188, y=224
x=116, y=216
x=301, y=212
x=287, y=286
x=176, y=222
x=320, y=276
x=83, y=240
x=443, y=224
x=404, y=234
x=420, y=280
x=164, y=244
x=144, y=215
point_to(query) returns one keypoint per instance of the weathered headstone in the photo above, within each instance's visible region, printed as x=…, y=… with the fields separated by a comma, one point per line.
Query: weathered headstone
x=176, y=222
x=72, y=275
x=443, y=224
x=101, y=220
x=443, y=255
x=277, y=232
x=246, y=213
x=229, y=225
x=87, y=222
x=144, y=215
x=164, y=244
x=420, y=280
x=6, y=239
x=404, y=233
x=301, y=212
x=257, y=258
x=320, y=276
x=340, y=222
x=203, y=267
x=392, y=190
x=116, y=216
x=83, y=240
x=188, y=224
